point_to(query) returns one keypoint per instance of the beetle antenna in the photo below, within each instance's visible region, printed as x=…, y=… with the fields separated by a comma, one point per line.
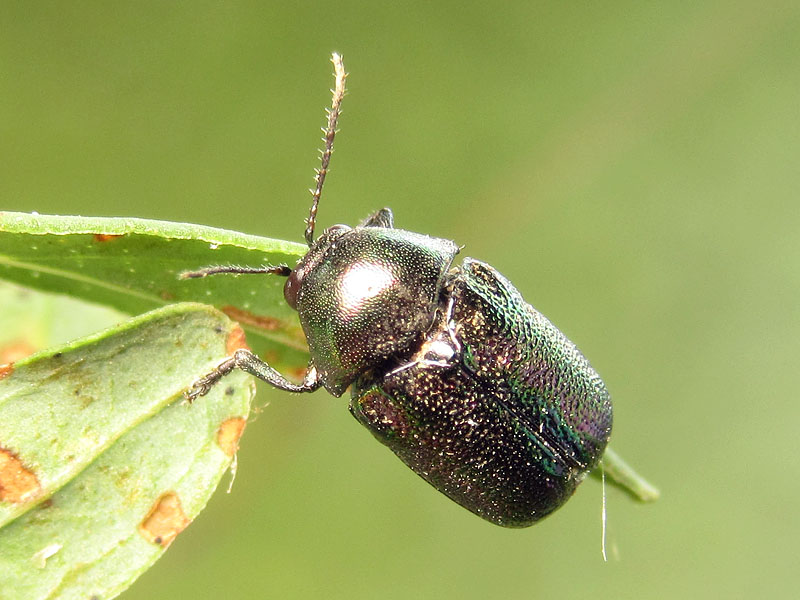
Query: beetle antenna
x=282, y=270
x=330, y=132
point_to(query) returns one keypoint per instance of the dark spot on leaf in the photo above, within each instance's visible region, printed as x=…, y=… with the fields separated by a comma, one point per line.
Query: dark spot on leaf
x=164, y=521
x=229, y=390
x=17, y=483
x=105, y=237
x=166, y=295
x=58, y=355
x=229, y=433
x=122, y=476
x=248, y=318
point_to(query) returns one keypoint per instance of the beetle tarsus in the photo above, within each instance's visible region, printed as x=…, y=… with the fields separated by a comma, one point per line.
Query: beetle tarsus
x=203, y=385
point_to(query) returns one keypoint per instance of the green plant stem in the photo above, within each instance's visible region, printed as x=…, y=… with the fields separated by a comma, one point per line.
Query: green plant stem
x=620, y=474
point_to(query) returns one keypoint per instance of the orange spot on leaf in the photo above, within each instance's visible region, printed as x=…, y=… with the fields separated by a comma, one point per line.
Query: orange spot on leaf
x=17, y=483
x=6, y=370
x=229, y=433
x=105, y=237
x=248, y=318
x=236, y=340
x=164, y=521
x=13, y=351
x=297, y=373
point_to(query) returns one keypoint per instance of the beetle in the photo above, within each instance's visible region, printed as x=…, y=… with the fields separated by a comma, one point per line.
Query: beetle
x=448, y=366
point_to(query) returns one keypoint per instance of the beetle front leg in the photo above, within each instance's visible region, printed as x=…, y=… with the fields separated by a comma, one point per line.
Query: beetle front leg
x=247, y=361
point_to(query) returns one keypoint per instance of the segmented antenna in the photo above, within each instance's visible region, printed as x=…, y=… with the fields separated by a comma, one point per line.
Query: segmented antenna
x=282, y=270
x=330, y=132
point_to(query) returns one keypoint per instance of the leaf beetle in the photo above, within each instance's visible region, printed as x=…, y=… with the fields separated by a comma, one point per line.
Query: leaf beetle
x=448, y=366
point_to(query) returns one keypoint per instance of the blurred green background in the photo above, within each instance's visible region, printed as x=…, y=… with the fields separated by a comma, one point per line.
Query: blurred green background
x=631, y=167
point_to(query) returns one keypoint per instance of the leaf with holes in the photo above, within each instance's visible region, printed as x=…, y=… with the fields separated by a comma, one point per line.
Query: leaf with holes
x=101, y=462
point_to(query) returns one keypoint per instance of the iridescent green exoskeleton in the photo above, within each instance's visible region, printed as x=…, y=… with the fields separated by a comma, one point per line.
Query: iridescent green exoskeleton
x=448, y=366
x=496, y=408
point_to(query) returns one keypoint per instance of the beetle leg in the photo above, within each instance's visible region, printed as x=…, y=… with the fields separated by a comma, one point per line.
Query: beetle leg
x=451, y=325
x=441, y=348
x=247, y=361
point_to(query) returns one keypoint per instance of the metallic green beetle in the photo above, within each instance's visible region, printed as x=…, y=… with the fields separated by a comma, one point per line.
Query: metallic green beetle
x=449, y=367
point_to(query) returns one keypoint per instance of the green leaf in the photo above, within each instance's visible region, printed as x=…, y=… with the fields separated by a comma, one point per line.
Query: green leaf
x=101, y=462
x=31, y=320
x=133, y=265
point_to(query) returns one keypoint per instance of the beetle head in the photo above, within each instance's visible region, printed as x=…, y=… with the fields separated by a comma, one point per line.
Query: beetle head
x=366, y=294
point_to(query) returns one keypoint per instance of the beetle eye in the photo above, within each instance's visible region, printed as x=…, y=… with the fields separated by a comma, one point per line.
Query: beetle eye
x=292, y=287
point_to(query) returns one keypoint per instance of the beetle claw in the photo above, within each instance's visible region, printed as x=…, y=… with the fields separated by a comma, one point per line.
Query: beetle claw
x=200, y=387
